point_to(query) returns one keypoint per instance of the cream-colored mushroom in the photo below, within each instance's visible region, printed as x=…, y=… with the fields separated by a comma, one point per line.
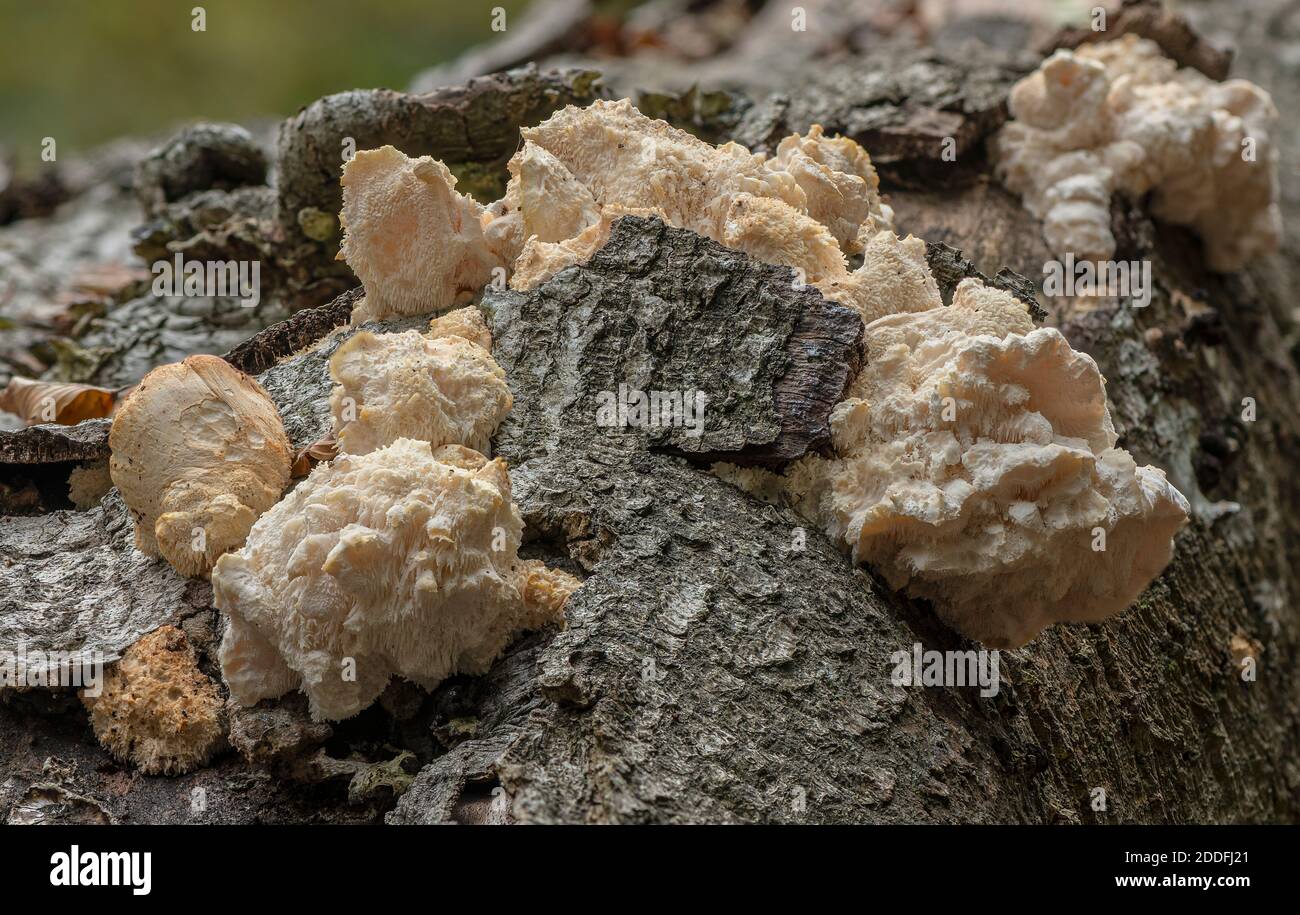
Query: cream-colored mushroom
x=415, y=243
x=806, y=208
x=418, y=245
x=839, y=182
x=403, y=561
x=444, y=389
x=1120, y=116
x=976, y=467
x=198, y=452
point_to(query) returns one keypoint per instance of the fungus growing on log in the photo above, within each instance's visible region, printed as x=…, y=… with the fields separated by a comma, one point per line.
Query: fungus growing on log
x=839, y=182
x=439, y=387
x=157, y=709
x=976, y=467
x=198, y=452
x=802, y=208
x=403, y=561
x=415, y=243
x=1119, y=116
x=418, y=245
x=808, y=207
x=974, y=460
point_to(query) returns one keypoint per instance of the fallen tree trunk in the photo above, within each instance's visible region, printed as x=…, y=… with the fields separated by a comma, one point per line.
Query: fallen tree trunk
x=724, y=661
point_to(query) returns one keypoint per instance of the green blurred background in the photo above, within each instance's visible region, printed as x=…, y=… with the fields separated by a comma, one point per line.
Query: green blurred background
x=85, y=71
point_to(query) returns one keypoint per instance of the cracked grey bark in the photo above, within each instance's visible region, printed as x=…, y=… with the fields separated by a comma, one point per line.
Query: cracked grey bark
x=50, y=443
x=901, y=108
x=666, y=310
x=74, y=582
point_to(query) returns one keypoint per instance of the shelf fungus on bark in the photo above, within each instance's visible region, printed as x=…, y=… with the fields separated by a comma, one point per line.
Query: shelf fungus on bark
x=974, y=458
x=403, y=561
x=808, y=207
x=198, y=452
x=1119, y=116
x=976, y=467
x=441, y=387
x=156, y=708
x=415, y=243
x=418, y=245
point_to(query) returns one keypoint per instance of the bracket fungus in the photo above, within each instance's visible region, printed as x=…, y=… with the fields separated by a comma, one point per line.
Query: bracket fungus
x=156, y=708
x=974, y=458
x=415, y=243
x=976, y=467
x=403, y=561
x=198, y=452
x=809, y=207
x=440, y=387
x=1119, y=116
x=418, y=245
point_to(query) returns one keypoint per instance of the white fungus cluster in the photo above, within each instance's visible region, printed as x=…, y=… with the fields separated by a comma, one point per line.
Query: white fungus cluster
x=975, y=460
x=442, y=387
x=976, y=467
x=1119, y=116
x=812, y=205
x=403, y=561
x=413, y=241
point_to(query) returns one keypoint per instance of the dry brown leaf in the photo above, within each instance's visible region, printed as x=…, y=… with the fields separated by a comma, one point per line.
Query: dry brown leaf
x=55, y=401
x=325, y=448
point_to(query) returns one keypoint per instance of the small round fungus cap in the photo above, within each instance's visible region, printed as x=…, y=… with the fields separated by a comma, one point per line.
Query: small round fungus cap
x=403, y=561
x=198, y=452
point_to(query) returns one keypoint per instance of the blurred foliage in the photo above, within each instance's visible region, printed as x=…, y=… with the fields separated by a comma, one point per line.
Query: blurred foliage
x=83, y=71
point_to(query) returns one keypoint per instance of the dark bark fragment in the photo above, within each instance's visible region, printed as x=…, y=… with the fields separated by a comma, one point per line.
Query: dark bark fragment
x=659, y=309
x=902, y=108
x=261, y=351
x=950, y=267
x=202, y=157
x=51, y=443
